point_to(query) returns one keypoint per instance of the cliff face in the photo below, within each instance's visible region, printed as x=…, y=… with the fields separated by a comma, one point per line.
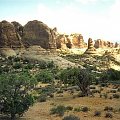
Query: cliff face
x=8, y=36
x=38, y=33
x=71, y=41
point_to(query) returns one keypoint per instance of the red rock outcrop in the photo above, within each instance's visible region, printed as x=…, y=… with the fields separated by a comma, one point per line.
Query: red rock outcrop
x=38, y=33
x=103, y=44
x=8, y=36
x=90, y=49
x=71, y=41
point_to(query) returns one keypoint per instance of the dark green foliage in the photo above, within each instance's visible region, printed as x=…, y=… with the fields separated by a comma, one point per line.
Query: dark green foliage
x=16, y=59
x=78, y=109
x=6, y=69
x=71, y=117
x=29, y=66
x=110, y=75
x=77, y=76
x=17, y=65
x=50, y=64
x=42, y=98
x=47, y=90
x=42, y=64
x=45, y=76
x=15, y=97
x=59, y=110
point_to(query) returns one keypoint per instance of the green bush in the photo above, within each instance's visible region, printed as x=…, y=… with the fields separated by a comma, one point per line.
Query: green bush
x=78, y=109
x=42, y=98
x=15, y=94
x=16, y=59
x=42, y=64
x=29, y=66
x=76, y=76
x=17, y=65
x=71, y=117
x=59, y=110
x=45, y=76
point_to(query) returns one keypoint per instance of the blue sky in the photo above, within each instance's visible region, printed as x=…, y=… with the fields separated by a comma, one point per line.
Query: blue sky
x=92, y=18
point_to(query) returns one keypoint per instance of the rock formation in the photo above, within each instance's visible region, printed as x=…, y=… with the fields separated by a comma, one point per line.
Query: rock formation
x=8, y=36
x=70, y=41
x=62, y=42
x=18, y=28
x=103, y=44
x=90, y=49
x=117, y=45
x=38, y=33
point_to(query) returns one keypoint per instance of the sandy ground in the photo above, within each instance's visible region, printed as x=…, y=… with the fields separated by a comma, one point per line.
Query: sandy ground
x=41, y=111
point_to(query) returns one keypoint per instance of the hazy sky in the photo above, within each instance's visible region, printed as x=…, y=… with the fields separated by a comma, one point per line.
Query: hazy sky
x=91, y=18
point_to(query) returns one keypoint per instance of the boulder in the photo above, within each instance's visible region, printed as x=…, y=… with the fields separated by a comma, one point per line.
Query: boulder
x=38, y=33
x=8, y=36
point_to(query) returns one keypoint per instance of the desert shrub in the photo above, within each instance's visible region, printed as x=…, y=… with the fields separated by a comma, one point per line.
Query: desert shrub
x=17, y=65
x=59, y=91
x=71, y=117
x=6, y=69
x=77, y=109
x=116, y=96
x=25, y=61
x=51, y=95
x=42, y=98
x=29, y=66
x=1, y=70
x=48, y=90
x=80, y=94
x=95, y=91
x=110, y=75
x=97, y=113
x=16, y=59
x=108, y=108
x=108, y=115
x=85, y=109
x=50, y=64
x=118, y=89
x=113, y=91
x=110, y=97
x=69, y=108
x=42, y=64
x=92, y=87
x=45, y=76
x=59, y=110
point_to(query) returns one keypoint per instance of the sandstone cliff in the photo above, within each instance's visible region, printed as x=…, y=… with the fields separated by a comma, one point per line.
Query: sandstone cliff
x=38, y=33
x=8, y=36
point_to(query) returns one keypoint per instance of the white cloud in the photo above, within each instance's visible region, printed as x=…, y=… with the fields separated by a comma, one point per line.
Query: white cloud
x=69, y=19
